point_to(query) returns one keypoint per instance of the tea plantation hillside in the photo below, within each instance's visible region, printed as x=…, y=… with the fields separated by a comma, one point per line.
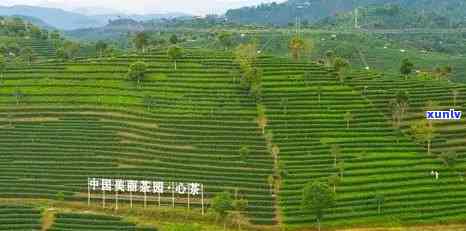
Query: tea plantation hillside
x=17, y=217
x=88, y=120
x=62, y=123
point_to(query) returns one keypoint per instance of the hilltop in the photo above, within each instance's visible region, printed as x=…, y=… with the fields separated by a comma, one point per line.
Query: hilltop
x=389, y=16
x=313, y=10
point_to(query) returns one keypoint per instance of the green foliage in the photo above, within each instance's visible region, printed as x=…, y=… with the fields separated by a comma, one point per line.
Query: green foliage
x=70, y=49
x=60, y=196
x=246, y=56
x=244, y=152
x=379, y=200
x=297, y=46
x=399, y=107
x=316, y=198
x=27, y=55
x=55, y=35
x=174, y=39
x=226, y=39
x=251, y=81
x=141, y=41
x=174, y=53
x=60, y=53
x=222, y=203
x=100, y=47
x=137, y=71
x=443, y=72
x=422, y=131
x=406, y=67
x=348, y=118
x=340, y=64
x=240, y=205
x=334, y=180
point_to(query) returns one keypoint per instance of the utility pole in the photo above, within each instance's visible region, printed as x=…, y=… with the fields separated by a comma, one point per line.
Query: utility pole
x=296, y=25
x=356, y=14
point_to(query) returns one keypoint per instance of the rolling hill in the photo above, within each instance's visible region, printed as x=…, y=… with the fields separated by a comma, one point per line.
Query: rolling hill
x=65, y=122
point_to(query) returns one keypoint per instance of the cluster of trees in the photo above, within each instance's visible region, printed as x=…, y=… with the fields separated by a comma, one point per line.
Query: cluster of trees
x=138, y=70
x=251, y=79
x=439, y=73
x=338, y=63
x=228, y=209
x=297, y=46
x=143, y=41
x=17, y=27
x=68, y=50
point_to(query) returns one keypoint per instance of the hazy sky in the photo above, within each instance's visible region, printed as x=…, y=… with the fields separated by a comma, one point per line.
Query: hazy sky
x=143, y=6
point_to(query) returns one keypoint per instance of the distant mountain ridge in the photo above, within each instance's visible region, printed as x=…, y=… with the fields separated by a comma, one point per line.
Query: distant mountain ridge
x=67, y=20
x=314, y=10
x=58, y=18
x=35, y=21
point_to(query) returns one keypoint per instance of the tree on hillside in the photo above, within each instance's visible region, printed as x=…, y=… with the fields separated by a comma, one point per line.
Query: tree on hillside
x=431, y=106
x=399, y=107
x=341, y=168
x=348, y=118
x=45, y=34
x=406, y=68
x=226, y=39
x=240, y=207
x=100, y=47
x=317, y=197
x=296, y=46
x=423, y=132
x=221, y=204
x=175, y=53
x=246, y=56
x=60, y=54
x=149, y=101
x=140, y=41
x=379, y=200
x=329, y=58
x=137, y=71
x=55, y=35
x=252, y=82
x=443, y=72
x=35, y=31
x=261, y=118
x=27, y=55
x=336, y=152
x=244, y=152
x=174, y=39
x=340, y=64
x=334, y=180
x=71, y=49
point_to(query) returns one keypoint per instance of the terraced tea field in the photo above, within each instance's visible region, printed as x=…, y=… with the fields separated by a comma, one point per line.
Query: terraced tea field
x=62, y=123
